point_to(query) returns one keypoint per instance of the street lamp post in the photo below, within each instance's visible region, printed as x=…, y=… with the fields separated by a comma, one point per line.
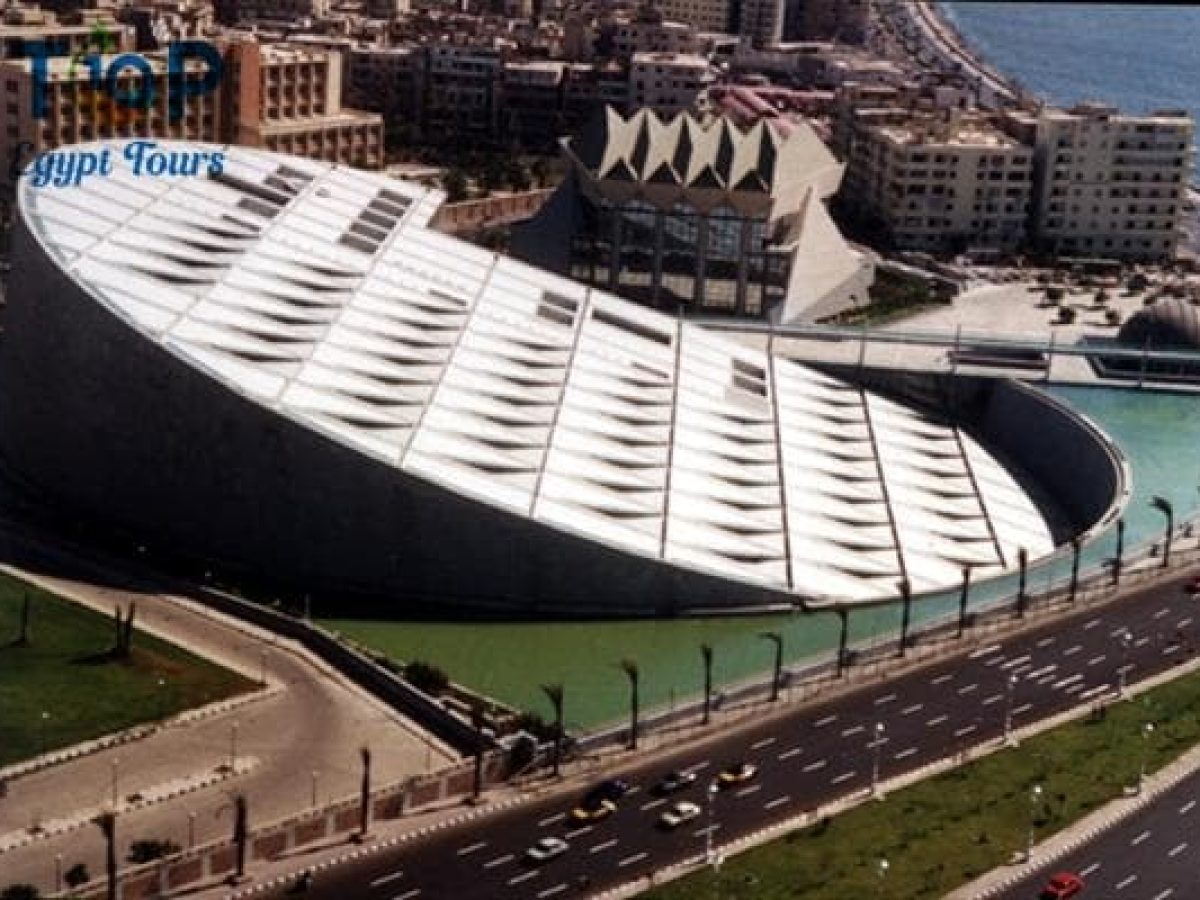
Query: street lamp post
x=906, y=598
x=1035, y=796
x=963, y=596
x=116, y=767
x=1126, y=640
x=1147, y=732
x=1163, y=505
x=777, y=639
x=1011, y=684
x=843, y=639
x=314, y=778
x=706, y=654
x=1022, y=572
x=882, y=867
x=1076, y=548
x=45, y=721
x=162, y=698
x=877, y=748
x=1117, y=559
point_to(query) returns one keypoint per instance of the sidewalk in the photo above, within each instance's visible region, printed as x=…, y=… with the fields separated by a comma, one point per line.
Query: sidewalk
x=304, y=733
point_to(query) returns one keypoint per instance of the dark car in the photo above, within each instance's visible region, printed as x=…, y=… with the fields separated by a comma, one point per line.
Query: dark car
x=673, y=782
x=1193, y=585
x=612, y=790
x=1062, y=886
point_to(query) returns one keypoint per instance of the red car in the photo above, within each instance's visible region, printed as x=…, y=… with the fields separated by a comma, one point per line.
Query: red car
x=1062, y=886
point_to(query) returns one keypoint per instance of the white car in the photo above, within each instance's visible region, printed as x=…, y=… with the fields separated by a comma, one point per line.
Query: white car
x=546, y=849
x=681, y=812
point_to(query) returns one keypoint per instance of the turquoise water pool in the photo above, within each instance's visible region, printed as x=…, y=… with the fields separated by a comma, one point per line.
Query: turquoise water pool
x=1159, y=432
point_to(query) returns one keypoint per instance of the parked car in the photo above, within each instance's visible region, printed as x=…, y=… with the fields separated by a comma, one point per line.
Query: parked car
x=681, y=812
x=546, y=849
x=1062, y=886
x=592, y=810
x=737, y=773
x=674, y=782
x=613, y=789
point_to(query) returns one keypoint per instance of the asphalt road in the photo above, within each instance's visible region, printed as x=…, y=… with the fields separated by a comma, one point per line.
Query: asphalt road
x=806, y=759
x=1152, y=855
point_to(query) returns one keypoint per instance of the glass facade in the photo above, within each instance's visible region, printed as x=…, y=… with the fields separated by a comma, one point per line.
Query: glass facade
x=719, y=262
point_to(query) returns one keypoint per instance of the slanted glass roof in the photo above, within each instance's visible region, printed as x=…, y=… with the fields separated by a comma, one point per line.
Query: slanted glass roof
x=321, y=293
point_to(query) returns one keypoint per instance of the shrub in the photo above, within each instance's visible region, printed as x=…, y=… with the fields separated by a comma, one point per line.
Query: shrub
x=20, y=892
x=426, y=677
x=148, y=850
x=1112, y=317
x=1066, y=315
x=77, y=875
x=1055, y=293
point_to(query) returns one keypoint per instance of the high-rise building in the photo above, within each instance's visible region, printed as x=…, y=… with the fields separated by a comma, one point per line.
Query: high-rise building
x=1108, y=184
x=670, y=83
x=942, y=182
x=761, y=21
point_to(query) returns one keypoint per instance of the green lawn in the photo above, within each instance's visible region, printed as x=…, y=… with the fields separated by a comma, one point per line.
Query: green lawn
x=946, y=831
x=65, y=671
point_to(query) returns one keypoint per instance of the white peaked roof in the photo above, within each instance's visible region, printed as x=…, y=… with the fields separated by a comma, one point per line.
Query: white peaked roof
x=321, y=293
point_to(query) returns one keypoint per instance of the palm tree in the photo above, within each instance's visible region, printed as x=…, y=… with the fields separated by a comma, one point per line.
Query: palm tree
x=630, y=668
x=554, y=693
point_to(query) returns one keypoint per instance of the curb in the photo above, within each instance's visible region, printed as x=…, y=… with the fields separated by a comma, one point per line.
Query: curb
x=149, y=797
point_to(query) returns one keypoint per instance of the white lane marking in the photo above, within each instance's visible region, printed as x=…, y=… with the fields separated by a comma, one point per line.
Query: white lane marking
x=551, y=820
x=1088, y=870
x=633, y=790
x=467, y=851
x=788, y=754
x=636, y=858
x=904, y=754
x=1141, y=837
x=653, y=803
x=1045, y=642
x=936, y=720
x=698, y=766
x=1088, y=626
x=994, y=660
x=845, y=776
x=1141, y=642
x=600, y=848
x=1184, y=623
x=765, y=742
x=778, y=801
x=909, y=710
x=517, y=879
x=1071, y=651
x=852, y=731
x=1044, y=670
x=1095, y=692
x=1070, y=679
x=701, y=832
x=1164, y=894
x=384, y=879
x=747, y=791
x=942, y=679
x=1096, y=660
x=1187, y=807
x=551, y=891
x=886, y=698
x=995, y=698
x=828, y=720
x=967, y=689
x=1013, y=663
x=1023, y=708
x=812, y=767
x=1121, y=885
x=963, y=732
x=1169, y=649
x=1176, y=850
x=578, y=832
x=498, y=861
x=1162, y=612
x=408, y=895
x=983, y=651
x=1073, y=689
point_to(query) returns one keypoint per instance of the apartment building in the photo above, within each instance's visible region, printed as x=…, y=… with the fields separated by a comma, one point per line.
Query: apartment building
x=390, y=81
x=651, y=34
x=531, y=101
x=233, y=11
x=761, y=21
x=670, y=83
x=290, y=99
x=1107, y=184
x=943, y=182
x=83, y=32
x=461, y=87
